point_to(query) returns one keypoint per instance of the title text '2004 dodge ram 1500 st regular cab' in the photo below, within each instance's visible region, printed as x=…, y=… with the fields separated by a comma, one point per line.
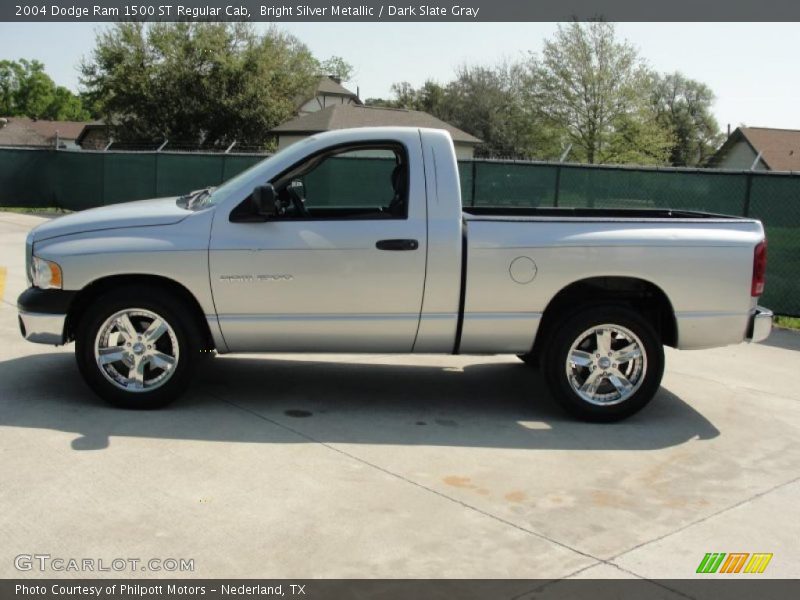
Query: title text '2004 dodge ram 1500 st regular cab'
x=313, y=251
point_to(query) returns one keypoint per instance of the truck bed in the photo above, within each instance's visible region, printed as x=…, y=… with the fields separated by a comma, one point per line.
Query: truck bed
x=701, y=262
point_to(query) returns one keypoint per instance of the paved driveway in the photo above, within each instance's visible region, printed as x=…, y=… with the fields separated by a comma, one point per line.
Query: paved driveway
x=384, y=466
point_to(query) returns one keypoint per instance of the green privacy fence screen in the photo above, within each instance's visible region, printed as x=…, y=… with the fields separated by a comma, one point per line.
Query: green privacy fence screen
x=78, y=180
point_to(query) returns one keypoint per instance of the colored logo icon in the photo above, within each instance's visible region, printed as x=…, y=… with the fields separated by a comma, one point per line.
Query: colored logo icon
x=734, y=562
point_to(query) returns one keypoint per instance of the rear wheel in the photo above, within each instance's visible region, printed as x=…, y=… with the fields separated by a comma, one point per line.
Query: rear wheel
x=604, y=364
x=137, y=348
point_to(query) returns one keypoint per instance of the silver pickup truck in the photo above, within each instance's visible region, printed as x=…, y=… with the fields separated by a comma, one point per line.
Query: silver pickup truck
x=356, y=241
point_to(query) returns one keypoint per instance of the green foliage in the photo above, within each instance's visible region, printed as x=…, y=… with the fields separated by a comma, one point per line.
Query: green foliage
x=787, y=322
x=26, y=90
x=596, y=91
x=486, y=102
x=587, y=92
x=197, y=83
x=338, y=67
x=212, y=83
x=683, y=107
x=489, y=102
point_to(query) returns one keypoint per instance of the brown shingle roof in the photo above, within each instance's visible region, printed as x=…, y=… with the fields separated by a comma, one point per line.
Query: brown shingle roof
x=328, y=85
x=779, y=148
x=22, y=131
x=346, y=116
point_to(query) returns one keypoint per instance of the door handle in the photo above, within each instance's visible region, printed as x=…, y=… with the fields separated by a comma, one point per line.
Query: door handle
x=397, y=244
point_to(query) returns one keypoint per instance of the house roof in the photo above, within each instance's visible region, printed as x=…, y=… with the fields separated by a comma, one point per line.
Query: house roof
x=22, y=131
x=332, y=87
x=346, y=116
x=779, y=148
x=328, y=86
x=87, y=127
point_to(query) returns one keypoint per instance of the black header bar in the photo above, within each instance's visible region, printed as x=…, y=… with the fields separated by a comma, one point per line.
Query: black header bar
x=423, y=11
x=747, y=587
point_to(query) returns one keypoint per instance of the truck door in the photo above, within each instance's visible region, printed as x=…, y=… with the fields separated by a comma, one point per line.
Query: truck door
x=341, y=269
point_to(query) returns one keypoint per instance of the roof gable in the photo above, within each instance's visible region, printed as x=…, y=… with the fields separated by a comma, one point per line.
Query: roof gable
x=329, y=85
x=779, y=148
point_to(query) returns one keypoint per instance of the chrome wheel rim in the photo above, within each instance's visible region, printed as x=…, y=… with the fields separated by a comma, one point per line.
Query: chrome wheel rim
x=136, y=350
x=606, y=364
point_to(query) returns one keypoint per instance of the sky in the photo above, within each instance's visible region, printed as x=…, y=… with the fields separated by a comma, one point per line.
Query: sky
x=751, y=67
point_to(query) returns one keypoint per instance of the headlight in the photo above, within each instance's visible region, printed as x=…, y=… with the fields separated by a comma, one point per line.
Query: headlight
x=45, y=275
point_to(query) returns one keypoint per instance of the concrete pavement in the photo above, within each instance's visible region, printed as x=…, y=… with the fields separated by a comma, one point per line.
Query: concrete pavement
x=396, y=466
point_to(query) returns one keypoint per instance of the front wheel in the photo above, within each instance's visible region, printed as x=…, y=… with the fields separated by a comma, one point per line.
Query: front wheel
x=604, y=364
x=136, y=349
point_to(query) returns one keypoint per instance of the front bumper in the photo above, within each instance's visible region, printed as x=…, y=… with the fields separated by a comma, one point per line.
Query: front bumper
x=760, y=325
x=43, y=314
x=42, y=328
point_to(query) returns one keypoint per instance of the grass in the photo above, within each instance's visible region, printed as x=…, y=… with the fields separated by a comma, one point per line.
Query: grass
x=788, y=322
x=32, y=210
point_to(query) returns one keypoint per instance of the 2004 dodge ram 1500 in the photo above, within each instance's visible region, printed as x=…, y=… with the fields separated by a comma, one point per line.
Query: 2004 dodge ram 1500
x=313, y=251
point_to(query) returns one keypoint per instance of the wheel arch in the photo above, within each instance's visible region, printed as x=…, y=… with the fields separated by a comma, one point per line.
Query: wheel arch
x=640, y=294
x=89, y=293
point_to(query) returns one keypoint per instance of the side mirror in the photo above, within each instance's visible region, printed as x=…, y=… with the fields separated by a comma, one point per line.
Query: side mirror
x=258, y=207
x=264, y=200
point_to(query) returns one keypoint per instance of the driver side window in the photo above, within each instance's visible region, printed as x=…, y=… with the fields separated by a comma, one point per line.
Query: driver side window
x=360, y=182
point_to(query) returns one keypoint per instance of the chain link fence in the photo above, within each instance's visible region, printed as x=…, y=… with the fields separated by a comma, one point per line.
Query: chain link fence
x=79, y=180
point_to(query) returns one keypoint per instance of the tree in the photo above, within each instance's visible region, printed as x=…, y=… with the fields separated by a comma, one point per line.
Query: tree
x=337, y=67
x=587, y=91
x=404, y=96
x=26, y=90
x=596, y=91
x=486, y=102
x=683, y=107
x=197, y=83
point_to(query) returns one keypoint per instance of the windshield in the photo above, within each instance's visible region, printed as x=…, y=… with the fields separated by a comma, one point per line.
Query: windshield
x=214, y=195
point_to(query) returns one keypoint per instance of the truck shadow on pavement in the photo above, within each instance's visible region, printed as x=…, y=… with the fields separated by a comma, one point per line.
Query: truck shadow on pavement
x=786, y=339
x=278, y=400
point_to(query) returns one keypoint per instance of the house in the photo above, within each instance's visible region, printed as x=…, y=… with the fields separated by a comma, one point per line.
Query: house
x=759, y=148
x=345, y=116
x=329, y=92
x=37, y=133
x=93, y=136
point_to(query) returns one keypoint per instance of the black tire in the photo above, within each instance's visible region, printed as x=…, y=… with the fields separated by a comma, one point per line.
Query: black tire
x=184, y=331
x=529, y=359
x=603, y=410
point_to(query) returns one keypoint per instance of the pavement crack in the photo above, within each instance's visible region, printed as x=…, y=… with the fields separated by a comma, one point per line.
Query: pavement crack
x=702, y=519
x=412, y=482
x=734, y=385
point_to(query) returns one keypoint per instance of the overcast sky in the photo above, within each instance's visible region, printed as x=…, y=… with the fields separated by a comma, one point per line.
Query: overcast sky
x=752, y=67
